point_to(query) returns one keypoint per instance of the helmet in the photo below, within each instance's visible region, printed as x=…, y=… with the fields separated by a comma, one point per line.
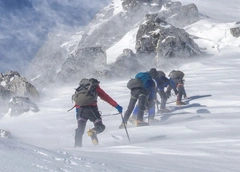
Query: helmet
x=153, y=72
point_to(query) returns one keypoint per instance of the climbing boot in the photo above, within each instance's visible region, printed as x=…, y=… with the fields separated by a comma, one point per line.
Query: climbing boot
x=180, y=103
x=93, y=134
x=141, y=123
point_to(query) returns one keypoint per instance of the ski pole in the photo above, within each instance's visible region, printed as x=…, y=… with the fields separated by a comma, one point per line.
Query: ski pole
x=111, y=114
x=125, y=128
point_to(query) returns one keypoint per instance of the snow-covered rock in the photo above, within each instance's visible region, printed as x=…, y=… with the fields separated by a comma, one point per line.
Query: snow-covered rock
x=127, y=64
x=4, y=133
x=62, y=61
x=13, y=84
x=235, y=31
x=180, y=15
x=156, y=35
x=19, y=105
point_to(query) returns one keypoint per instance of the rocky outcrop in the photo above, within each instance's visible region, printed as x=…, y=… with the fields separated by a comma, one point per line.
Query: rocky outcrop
x=13, y=84
x=82, y=63
x=179, y=15
x=109, y=26
x=107, y=31
x=19, y=105
x=19, y=85
x=4, y=133
x=158, y=36
x=130, y=4
x=127, y=64
x=235, y=31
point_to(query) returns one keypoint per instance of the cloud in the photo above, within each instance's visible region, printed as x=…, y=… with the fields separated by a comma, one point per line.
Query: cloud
x=24, y=26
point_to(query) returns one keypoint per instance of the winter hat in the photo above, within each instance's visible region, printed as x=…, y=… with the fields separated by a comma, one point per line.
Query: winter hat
x=153, y=72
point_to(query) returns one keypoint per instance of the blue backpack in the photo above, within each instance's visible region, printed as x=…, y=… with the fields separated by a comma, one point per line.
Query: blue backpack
x=144, y=77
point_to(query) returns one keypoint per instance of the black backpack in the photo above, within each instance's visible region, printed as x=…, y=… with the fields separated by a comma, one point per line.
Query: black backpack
x=86, y=93
x=176, y=74
x=134, y=83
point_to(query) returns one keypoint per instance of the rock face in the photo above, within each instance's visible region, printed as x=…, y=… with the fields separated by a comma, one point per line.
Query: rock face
x=19, y=105
x=109, y=26
x=70, y=60
x=156, y=35
x=18, y=85
x=83, y=63
x=13, y=84
x=180, y=15
x=235, y=31
x=127, y=64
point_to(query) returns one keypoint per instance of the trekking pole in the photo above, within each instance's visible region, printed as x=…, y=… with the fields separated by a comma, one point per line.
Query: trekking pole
x=125, y=128
x=111, y=114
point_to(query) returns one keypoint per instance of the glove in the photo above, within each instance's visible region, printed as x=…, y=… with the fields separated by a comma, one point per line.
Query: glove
x=119, y=108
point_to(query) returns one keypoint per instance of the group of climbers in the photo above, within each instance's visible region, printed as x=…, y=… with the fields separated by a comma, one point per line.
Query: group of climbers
x=143, y=89
x=158, y=82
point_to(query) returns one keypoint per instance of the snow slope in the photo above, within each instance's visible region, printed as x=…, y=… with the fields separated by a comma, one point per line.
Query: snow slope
x=202, y=136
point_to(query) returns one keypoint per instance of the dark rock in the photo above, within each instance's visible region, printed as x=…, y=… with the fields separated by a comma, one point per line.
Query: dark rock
x=19, y=105
x=157, y=36
x=15, y=84
x=235, y=31
x=4, y=134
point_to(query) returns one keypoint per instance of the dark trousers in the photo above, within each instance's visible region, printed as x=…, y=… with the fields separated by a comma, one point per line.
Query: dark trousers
x=84, y=114
x=180, y=88
x=137, y=94
x=181, y=92
x=163, y=99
